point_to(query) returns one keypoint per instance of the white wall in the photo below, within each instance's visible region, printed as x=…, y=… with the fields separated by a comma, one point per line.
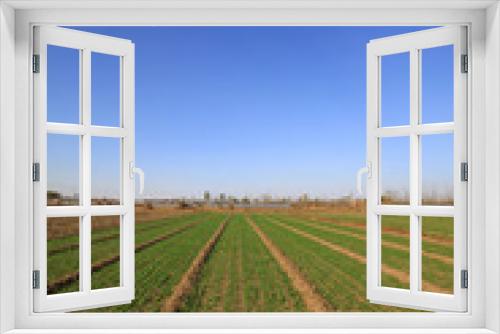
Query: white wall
x=7, y=148
x=492, y=196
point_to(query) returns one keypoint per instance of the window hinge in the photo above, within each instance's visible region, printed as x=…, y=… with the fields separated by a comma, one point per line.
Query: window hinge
x=464, y=279
x=36, y=172
x=465, y=64
x=464, y=171
x=36, y=63
x=36, y=279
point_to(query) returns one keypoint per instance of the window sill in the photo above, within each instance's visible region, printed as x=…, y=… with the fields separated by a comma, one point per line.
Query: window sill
x=254, y=331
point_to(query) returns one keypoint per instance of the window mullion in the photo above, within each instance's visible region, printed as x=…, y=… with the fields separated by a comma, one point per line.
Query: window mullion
x=414, y=171
x=85, y=230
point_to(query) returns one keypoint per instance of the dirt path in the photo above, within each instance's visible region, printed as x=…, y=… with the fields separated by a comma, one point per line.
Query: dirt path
x=174, y=301
x=67, y=279
x=388, y=244
x=397, y=274
x=313, y=301
x=392, y=231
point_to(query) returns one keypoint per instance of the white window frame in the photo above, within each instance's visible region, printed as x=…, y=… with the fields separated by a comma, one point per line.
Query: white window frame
x=85, y=43
x=16, y=20
x=413, y=44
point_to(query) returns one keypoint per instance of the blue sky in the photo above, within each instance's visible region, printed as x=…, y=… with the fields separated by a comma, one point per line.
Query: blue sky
x=248, y=110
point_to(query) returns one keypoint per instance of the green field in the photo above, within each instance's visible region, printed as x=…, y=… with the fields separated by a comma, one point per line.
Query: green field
x=240, y=273
x=241, y=276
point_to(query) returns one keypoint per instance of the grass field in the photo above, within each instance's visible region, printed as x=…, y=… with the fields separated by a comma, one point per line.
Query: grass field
x=252, y=261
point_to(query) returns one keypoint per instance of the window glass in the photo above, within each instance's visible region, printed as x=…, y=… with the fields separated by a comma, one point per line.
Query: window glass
x=437, y=254
x=394, y=170
x=395, y=89
x=106, y=171
x=63, y=84
x=63, y=254
x=63, y=170
x=105, y=252
x=437, y=84
x=437, y=169
x=395, y=263
x=106, y=90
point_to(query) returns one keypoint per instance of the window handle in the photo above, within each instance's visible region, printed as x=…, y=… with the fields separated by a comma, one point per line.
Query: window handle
x=136, y=170
x=359, y=177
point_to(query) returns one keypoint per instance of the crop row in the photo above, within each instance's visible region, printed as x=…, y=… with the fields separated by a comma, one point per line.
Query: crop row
x=435, y=272
x=339, y=279
x=242, y=276
x=67, y=242
x=160, y=267
x=64, y=264
x=437, y=232
x=437, y=264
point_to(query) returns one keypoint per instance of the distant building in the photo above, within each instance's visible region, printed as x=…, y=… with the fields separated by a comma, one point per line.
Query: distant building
x=206, y=196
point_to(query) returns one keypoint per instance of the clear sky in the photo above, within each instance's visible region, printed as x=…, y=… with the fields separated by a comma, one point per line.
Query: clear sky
x=251, y=110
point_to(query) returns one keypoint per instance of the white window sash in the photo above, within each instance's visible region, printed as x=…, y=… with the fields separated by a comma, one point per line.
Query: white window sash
x=86, y=43
x=415, y=297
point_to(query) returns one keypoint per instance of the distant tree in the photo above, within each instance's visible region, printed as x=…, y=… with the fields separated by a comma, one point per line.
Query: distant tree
x=52, y=194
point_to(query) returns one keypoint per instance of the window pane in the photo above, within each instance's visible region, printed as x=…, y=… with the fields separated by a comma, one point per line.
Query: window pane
x=63, y=254
x=395, y=251
x=63, y=169
x=437, y=169
x=106, y=171
x=437, y=84
x=105, y=89
x=105, y=251
x=63, y=84
x=394, y=170
x=437, y=254
x=395, y=89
